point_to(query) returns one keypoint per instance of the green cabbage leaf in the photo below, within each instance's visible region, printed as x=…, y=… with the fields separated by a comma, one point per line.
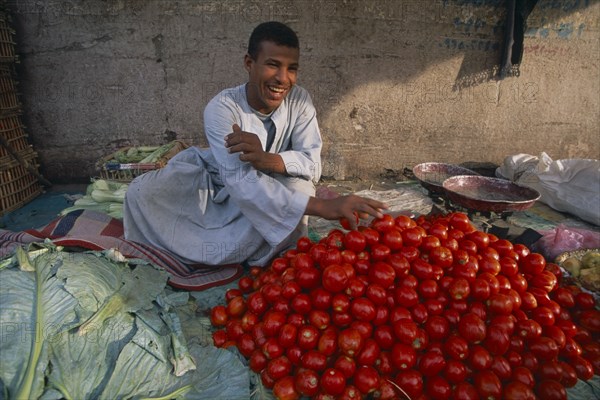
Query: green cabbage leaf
x=87, y=325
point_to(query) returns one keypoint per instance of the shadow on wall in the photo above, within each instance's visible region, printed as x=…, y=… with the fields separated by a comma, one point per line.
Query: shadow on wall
x=413, y=36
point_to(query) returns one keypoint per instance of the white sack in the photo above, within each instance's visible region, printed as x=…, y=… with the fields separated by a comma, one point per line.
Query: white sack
x=569, y=185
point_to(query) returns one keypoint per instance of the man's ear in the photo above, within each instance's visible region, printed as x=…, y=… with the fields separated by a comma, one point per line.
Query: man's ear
x=248, y=62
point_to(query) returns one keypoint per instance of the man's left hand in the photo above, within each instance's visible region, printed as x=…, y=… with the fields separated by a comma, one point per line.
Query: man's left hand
x=251, y=151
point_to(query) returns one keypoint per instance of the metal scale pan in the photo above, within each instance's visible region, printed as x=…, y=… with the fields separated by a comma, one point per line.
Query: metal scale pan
x=431, y=175
x=486, y=194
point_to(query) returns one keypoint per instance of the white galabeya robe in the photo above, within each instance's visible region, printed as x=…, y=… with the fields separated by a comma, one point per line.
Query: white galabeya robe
x=206, y=206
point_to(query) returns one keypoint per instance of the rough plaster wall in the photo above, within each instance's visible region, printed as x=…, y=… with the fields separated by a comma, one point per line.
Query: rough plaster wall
x=395, y=82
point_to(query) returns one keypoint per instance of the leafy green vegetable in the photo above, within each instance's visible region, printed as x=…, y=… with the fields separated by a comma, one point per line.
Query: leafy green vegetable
x=86, y=325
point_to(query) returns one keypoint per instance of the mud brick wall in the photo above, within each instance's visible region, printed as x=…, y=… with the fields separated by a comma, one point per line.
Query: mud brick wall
x=395, y=82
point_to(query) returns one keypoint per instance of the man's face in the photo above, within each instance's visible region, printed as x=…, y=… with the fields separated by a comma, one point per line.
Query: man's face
x=271, y=75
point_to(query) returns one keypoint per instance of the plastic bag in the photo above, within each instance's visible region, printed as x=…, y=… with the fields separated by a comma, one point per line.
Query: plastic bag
x=564, y=238
x=570, y=185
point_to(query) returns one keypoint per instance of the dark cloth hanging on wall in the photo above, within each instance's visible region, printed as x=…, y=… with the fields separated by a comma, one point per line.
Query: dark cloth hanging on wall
x=516, y=24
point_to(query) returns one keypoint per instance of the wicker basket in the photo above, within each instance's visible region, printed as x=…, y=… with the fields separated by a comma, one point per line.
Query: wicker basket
x=127, y=172
x=17, y=185
x=13, y=131
x=9, y=99
x=7, y=44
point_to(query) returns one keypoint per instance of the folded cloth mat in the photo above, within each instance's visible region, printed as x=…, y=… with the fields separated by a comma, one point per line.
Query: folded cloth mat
x=94, y=230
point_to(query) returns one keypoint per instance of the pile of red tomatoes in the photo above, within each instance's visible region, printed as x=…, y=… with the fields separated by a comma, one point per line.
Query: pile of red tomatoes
x=419, y=308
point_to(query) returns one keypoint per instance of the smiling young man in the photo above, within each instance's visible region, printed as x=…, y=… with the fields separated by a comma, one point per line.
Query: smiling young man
x=247, y=196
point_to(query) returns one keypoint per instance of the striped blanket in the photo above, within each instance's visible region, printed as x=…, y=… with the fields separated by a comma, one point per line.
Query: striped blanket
x=93, y=230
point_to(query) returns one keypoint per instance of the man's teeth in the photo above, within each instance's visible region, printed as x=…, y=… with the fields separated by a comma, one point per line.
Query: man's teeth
x=276, y=89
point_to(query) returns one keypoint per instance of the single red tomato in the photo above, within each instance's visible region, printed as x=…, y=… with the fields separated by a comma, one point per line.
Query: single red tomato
x=345, y=223
x=545, y=280
x=278, y=265
x=287, y=335
x=500, y=304
x=266, y=380
x=404, y=221
x=441, y=256
x=533, y=263
x=544, y=348
x=412, y=237
x=438, y=388
x=258, y=361
x=479, y=289
x=460, y=221
x=403, y=356
x=308, y=278
x=284, y=389
x=306, y=382
x=219, y=315
x=302, y=260
x=501, y=367
x=459, y=289
x=428, y=289
x=583, y=368
x=528, y=329
x=392, y=239
x=234, y=329
x=590, y=319
x=472, y=328
x=585, y=301
x=236, y=306
x=366, y=379
x=384, y=223
x=350, y=341
x=371, y=235
x=480, y=238
x=488, y=385
x=369, y=353
x=380, y=252
x=523, y=375
x=279, y=367
x=456, y=347
x=272, y=349
x=497, y=340
x=549, y=369
x=219, y=337
x=431, y=363
x=317, y=252
x=319, y=319
x=455, y=371
x=382, y=274
x=355, y=241
x=384, y=336
x=307, y=337
x=363, y=309
x=313, y=359
x=332, y=382
x=479, y=358
x=410, y=381
x=465, y=391
x=518, y=391
x=437, y=327
x=301, y=303
x=334, y=278
x=346, y=365
x=550, y=390
x=521, y=250
x=304, y=244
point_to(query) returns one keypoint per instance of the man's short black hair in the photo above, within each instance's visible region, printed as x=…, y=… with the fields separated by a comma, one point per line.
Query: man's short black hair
x=272, y=31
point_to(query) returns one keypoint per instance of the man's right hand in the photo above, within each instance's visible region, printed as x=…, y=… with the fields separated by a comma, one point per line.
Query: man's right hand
x=345, y=207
